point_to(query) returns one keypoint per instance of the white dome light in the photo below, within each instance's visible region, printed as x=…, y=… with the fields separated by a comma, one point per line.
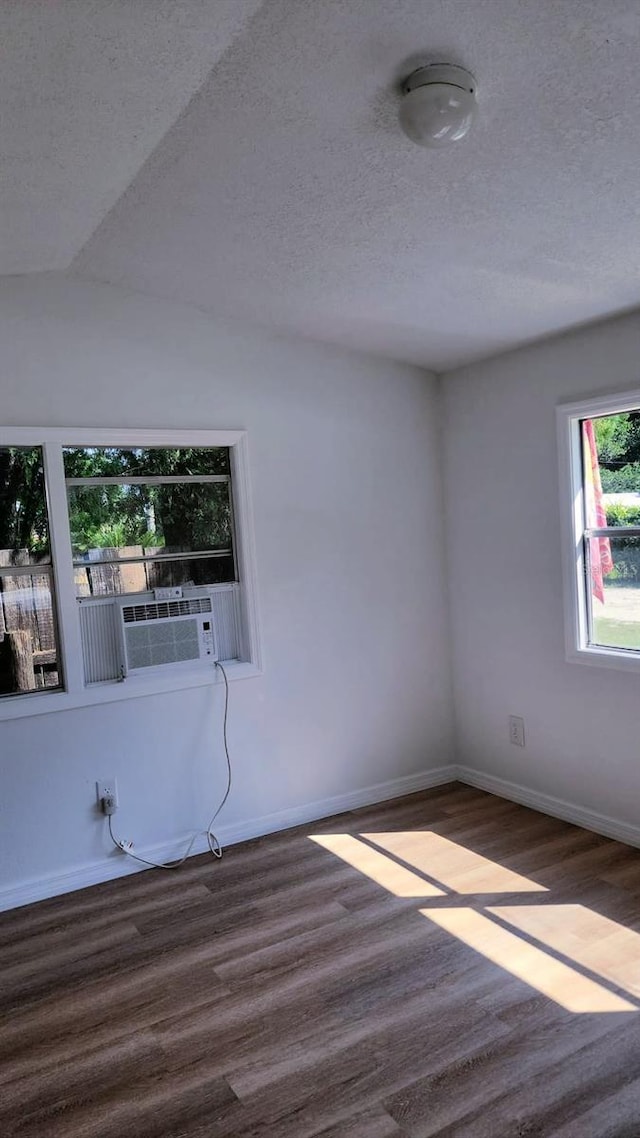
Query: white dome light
x=438, y=104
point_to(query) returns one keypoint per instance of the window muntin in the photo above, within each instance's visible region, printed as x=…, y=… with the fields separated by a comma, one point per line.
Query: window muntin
x=29, y=652
x=149, y=517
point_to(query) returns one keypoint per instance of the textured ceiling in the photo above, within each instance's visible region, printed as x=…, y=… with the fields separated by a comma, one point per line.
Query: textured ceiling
x=88, y=88
x=285, y=193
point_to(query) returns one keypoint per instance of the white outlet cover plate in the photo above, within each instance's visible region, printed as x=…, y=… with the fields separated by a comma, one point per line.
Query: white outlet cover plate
x=516, y=730
x=107, y=788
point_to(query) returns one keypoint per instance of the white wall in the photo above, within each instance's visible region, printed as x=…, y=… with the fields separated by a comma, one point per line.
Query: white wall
x=503, y=519
x=348, y=514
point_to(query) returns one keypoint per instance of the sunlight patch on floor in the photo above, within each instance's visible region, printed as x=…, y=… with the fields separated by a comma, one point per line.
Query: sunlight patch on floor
x=596, y=942
x=452, y=865
x=580, y=936
x=550, y=977
x=382, y=869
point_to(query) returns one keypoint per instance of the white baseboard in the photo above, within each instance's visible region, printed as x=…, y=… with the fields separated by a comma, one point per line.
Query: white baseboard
x=119, y=865
x=547, y=804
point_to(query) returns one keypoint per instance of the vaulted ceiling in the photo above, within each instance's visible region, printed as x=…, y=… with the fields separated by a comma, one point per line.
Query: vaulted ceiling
x=244, y=156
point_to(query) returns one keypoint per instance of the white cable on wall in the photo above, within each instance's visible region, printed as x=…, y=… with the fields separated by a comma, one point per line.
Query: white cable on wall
x=212, y=841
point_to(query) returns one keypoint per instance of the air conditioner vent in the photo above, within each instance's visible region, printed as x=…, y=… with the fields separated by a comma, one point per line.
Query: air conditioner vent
x=134, y=614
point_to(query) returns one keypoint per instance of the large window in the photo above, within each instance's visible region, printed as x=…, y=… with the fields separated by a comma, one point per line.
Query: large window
x=600, y=471
x=89, y=520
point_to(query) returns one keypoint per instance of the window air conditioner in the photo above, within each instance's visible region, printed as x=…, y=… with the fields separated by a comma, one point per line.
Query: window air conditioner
x=161, y=633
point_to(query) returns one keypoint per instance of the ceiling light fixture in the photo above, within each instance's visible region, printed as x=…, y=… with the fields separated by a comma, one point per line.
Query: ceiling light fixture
x=438, y=104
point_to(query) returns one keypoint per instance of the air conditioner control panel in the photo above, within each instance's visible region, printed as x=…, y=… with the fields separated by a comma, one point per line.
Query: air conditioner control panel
x=168, y=593
x=206, y=634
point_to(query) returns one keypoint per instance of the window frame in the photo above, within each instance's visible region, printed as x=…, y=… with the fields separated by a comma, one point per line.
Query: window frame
x=76, y=693
x=573, y=526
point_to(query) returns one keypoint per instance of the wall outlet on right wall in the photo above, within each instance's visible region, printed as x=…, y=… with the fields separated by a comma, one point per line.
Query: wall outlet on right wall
x=516, y=730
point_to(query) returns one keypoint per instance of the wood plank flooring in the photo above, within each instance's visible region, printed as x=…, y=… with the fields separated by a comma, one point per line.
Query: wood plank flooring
x=448, y=964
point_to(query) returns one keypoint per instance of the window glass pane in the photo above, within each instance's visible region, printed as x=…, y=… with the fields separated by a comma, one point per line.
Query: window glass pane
x=24, y=529
x=28, y=640
x=617, y=443
x=614, y=567
x=110, y=462
x=127, y=521
x=100, y=579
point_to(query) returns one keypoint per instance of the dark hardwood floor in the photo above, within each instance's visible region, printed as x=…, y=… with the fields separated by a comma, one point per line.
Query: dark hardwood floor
x=447, y=964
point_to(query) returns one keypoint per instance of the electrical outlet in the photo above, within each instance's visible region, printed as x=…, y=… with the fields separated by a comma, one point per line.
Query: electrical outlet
x=107, y=788
x=516, y=730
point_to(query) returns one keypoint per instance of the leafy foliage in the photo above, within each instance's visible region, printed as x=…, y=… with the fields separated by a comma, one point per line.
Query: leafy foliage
x=180, y=517
x=618, y=443
x=612, y=435
x=23, y=514
x=623, y=515
x=109, y=462
x=621, y=479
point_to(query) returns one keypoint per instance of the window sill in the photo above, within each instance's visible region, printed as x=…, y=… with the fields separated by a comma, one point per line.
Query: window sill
x=606, y=658
x=111, y=691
